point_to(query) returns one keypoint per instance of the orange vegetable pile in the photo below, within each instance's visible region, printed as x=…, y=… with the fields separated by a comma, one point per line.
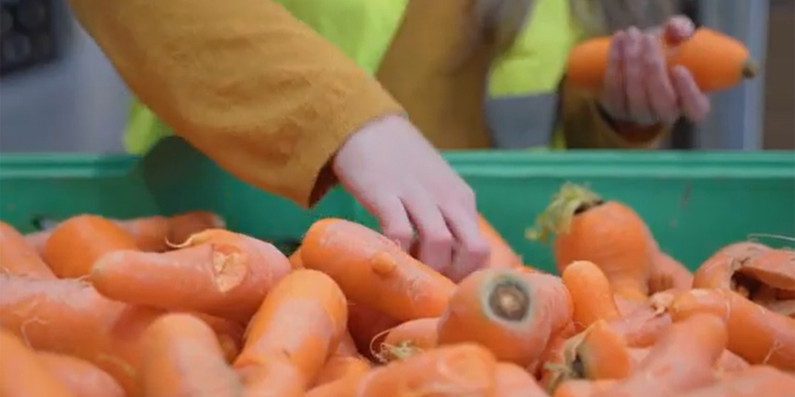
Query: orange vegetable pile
x=181, y=306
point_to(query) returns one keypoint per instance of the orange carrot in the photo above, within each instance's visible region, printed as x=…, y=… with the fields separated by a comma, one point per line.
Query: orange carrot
x=668, y=273
x=295, y=259
x=22, y=374
x=505, y=311
x=607, y=233
x=755, y=381
x=229, y=333
x=217, y=272
x=448, y=371
x=18, y=257
x=513, y=381
x=276, y=376
x=409, y=338
x=347, y=347
x=181, y=357
x=157, y=233
x=756, y=334
x=502, y=255
x=38, y=240
x=80, y=240
x=719, y=269
x=729, y=362
x=338, y=367
x=367, y=326
x=584, y=388
x=304, y=315
x=642, y=327
x=717, y=61
x=80, y=377
x=590, y=293
x=371, y=268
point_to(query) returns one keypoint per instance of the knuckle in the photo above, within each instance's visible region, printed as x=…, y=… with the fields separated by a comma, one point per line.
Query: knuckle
x=439, y=238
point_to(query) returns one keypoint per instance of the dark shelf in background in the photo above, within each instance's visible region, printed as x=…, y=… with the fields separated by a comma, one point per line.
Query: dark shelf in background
x=27, y=34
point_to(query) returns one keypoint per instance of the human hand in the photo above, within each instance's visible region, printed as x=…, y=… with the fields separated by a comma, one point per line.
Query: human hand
x=399, y=177
x=639, y=88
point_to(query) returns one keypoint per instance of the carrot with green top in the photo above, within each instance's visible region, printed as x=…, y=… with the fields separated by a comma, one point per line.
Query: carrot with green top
x=608, y=233
x=504, y=310
x=409, y=338
x=22, y=374
x=304, y=316
x=590, y=293
x=371, y=268
x=756, y=334
x=18, y=257
x=218, y=272
x=79, y=376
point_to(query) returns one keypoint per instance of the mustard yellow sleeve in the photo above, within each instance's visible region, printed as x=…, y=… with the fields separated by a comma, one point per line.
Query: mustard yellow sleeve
x=586, y=128
x=241, y=80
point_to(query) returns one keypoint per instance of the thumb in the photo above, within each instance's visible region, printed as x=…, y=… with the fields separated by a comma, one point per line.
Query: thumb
x=678, y=29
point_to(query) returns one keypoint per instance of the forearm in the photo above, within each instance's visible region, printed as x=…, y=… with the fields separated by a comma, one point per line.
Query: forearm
x=243, y=81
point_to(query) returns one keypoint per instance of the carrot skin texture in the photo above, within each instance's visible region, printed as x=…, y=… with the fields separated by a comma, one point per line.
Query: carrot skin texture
x=22, y=374
x=80, y=377
x=371, y=268
x=367, y=326
x=718, y=269
x=276, y=376
x=417, y=335
x=755, y=381
x=18, y=257
x=158, y=233
x=338, y=367
x=514, y=381
x=590, y=292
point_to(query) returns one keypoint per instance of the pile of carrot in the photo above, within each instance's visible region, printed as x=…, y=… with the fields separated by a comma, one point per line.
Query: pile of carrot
x=182, y=306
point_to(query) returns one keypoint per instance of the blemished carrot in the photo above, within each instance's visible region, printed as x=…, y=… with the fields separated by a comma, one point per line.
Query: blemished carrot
x=548, y=365
x=719, y=269
x=304, y=315
x=608, y=233
x=181, y=357
x=755, y=381
x=80, y=377
x=505, y=311
x=756, y=334
x=502, y=255
x=338, y=367
x=514, y=381
x=590, y=293
x=22, y=374
x=584, y=388
x=462, y=370
x=668, y=273
x=218, y=272
x=775, y=268
x=276, y=376
x=371, y=268
x=76, y=243
x=409, y=338
x=18, y=257
x=368, y=326
x=159, y=233
x=716, y=61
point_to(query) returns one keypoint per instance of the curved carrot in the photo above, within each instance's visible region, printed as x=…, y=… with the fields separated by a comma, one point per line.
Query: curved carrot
x=76, y=243
x=371, y=268
x=590, y=293
x=181, y=357
x=80, y=377
x=716, y=61
x=668, y=273
x=338, y=367
x=18, y=257
x=719, y=269
x=304, y=316
x=513, y=381
x=447, y=371
x=23, y=374
x=409, y=338
x=505, y=311
x=502, y=255
x=607, y=233
x=756, y=334
x=216, y=272
x=755, y=381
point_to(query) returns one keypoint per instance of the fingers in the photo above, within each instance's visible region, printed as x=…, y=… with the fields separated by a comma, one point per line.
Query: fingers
x=637, y=102
x=393, y=219
x=678, y=29
x=613, y=98
x=436, y=240
x=694, y=103
x=659, y=90
x=472, y=250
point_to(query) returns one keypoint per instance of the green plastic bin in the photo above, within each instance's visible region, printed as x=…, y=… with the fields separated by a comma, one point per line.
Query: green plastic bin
x=694, y=202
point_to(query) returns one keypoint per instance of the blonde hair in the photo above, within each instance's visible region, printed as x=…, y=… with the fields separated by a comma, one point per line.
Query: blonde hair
x=601, y=17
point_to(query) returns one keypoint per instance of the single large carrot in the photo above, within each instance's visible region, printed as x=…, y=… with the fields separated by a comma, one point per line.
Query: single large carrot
x=304, y=315
x=755, y=381
x=18, y=257
x=79, y=376
x=756, y=334
x=590, y=293
x=217, y=272
x=409, y=338
x=514, y=381
x=463, y=370
x=717, y=61
x=373, y=269
x=22, y=374
x=504, y=310
x=181, y=357
x=77, y=242
x=607, y=233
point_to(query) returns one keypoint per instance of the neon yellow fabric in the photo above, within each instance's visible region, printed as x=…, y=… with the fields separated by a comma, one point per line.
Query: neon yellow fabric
x=363, y=30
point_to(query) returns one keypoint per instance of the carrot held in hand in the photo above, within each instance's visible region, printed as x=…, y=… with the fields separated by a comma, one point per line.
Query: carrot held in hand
x=304, y=316
x=717, y=61
x=77, y=242
x=80, y=377
x=22, y=374
x=371, y=268
x=18, y=257
x=218, y=272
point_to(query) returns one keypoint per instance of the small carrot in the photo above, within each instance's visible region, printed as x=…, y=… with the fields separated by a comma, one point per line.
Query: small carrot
x=668, y=273
x=462, y=370
x=715, y=60
x=181, y=357
x=18, y=257
x=304, y=315
x=514, y=381
x=218, y=272
x=80, y=240
x=608, y=233
x=80, y=377
x=409, y=338
x=338, y=367
x=22, y=374
x=502, y=255
x=506, y=311
x=756, y=381
x=756, y=334
x=591, y=294
x=371, y=268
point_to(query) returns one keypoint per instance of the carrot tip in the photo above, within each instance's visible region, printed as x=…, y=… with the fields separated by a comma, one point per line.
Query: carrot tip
x=750, y=68
x=509, y=300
